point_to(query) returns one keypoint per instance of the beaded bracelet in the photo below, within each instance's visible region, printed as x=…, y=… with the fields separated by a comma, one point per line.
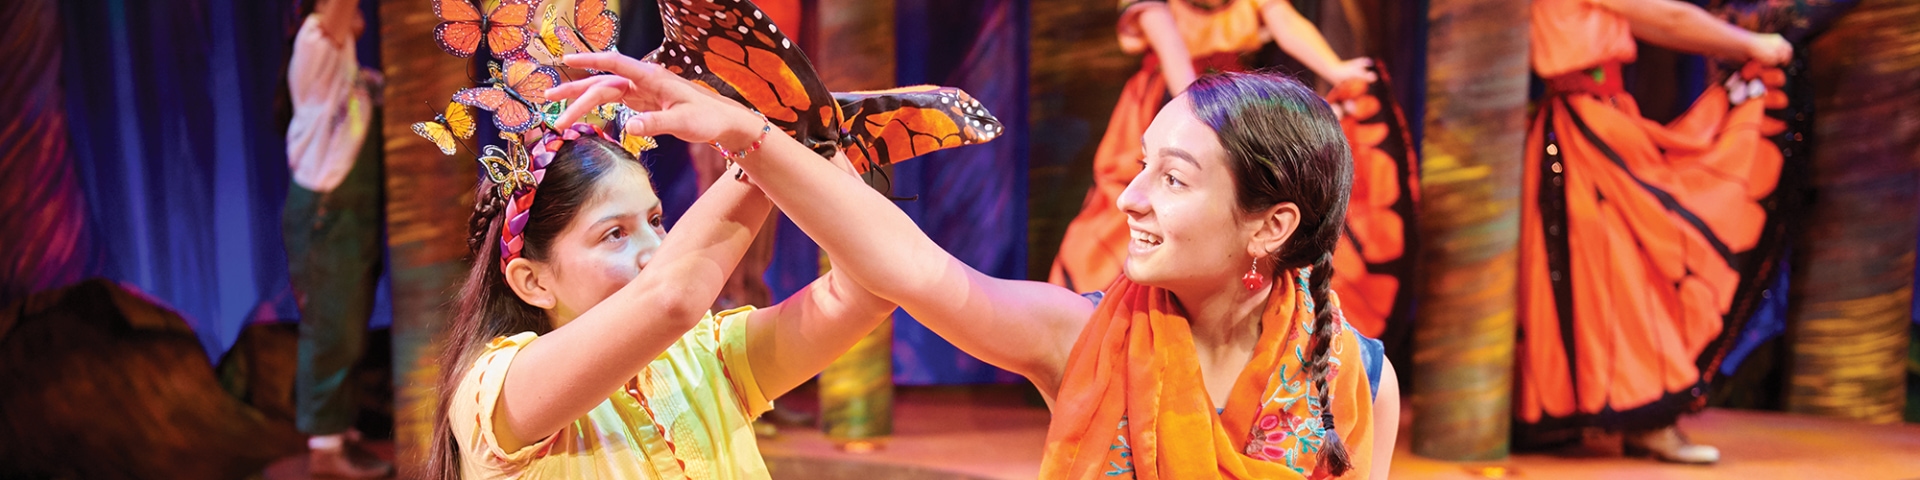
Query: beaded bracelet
x=731, y=157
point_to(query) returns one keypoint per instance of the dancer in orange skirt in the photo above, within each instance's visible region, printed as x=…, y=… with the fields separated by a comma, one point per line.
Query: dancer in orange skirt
x=1630, y=228
x=1183, y=38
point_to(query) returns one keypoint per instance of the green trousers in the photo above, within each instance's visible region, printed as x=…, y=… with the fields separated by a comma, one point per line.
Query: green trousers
x=334, y=244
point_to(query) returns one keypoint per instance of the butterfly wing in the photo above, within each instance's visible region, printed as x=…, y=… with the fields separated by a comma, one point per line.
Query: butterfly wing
x=531, y=80
x=509, y=113
x=595, y=25
x=889, y=126
x=545, y=47
x=459, y=30
x=438, y=134
x=500, y=170
x=507, y=28
x=459, y=120
x=732, y=47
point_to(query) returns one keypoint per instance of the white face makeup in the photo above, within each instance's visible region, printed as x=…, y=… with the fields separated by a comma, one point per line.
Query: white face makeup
x=612, y=238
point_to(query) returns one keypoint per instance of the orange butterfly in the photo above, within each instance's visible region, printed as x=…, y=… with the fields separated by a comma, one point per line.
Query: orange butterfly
x=891, y=125
x=514, y=96
x=733, y=48
x=462, y=27
x=594, y=29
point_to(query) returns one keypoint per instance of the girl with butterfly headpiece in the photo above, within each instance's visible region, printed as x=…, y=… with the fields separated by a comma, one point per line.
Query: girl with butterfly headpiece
x=576, y=290
x=332, y=223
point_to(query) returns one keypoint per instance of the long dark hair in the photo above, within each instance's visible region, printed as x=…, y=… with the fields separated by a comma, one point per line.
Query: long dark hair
x=487, y=308
x=1285, y=145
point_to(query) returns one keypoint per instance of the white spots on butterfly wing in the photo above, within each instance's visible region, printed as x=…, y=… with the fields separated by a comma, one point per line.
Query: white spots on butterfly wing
x=756, y=15
x=697, y=70
x=773, y=28
x=784, y=43
x=743, y=29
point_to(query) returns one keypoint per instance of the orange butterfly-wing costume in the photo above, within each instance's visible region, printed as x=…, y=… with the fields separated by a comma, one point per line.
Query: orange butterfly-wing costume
x=734, y=48
x=462, y=27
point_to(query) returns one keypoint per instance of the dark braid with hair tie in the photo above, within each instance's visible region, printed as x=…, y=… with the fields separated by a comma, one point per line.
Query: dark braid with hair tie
x=1334, y=458
x=480, y=224
x=1285, y=145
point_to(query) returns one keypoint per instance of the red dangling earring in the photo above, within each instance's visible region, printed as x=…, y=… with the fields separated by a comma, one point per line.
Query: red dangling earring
x=1253, y=279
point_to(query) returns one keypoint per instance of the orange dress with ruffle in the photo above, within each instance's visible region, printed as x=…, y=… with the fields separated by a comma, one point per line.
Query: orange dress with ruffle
x=1630, y=229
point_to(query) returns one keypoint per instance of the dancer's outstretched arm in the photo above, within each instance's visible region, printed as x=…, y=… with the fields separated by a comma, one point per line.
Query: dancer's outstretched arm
x=1685, y=26
x=1300, y=39
x=1025, y=327
x=1156, y=23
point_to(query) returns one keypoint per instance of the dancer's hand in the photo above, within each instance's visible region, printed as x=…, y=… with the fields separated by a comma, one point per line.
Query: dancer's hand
x=1769, y=49
x=1354, y=69
x=665, y=103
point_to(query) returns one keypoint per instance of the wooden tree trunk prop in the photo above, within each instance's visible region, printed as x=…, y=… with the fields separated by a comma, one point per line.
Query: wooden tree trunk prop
x=855, y=44
x=429, y=198
x=1851, y=299
x=1469, y=225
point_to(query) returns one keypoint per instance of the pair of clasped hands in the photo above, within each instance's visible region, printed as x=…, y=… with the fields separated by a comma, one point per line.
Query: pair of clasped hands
x=663, y=104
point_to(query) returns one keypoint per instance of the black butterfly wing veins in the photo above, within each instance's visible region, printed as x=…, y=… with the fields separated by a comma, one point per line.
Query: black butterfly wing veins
x=733, y=48
x=888, y=126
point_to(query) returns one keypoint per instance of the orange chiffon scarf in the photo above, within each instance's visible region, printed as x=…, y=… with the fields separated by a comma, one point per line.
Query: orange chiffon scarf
x=1132, y=400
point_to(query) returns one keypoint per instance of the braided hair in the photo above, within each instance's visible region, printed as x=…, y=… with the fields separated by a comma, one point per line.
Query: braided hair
x=487, y=306
x=1284, y=145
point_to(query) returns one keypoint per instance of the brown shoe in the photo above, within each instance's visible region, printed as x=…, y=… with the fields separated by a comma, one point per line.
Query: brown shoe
x=1669, y=445
x=348, y=461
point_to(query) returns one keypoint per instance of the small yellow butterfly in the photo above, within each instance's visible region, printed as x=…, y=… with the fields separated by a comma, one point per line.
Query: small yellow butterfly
x=637, y=143
x=615, y=115
x=457, y=122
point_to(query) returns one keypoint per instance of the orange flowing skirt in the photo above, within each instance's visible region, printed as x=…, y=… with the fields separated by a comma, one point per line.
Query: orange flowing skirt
x=1630, y=231
x=1371, y=263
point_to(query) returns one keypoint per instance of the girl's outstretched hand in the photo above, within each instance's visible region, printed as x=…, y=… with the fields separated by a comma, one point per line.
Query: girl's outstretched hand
x=665, y=103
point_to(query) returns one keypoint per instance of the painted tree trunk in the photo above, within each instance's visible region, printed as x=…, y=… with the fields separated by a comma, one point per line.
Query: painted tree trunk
x=429, y=199
x=1469, y=225
x=1850, y=305
x=854, y=41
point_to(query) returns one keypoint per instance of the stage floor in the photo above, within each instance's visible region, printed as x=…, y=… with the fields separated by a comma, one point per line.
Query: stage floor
x=995, y=433
x=989, y=434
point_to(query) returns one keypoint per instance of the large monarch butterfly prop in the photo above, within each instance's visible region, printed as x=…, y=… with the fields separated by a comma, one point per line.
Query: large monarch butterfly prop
x=1374, y=263
x=733, y=48
x=504, y=28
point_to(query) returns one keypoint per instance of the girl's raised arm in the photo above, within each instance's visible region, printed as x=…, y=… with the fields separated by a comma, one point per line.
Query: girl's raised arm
x=1025, y=327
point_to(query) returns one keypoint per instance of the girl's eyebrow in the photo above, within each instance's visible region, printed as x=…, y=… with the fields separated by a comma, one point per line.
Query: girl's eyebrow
x=1180, y=154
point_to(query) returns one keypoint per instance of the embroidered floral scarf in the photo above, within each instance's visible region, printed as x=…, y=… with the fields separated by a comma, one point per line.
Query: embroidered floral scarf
x=1132, y=401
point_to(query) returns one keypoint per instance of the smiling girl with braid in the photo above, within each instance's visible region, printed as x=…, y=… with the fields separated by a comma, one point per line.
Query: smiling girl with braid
x=1221, y=353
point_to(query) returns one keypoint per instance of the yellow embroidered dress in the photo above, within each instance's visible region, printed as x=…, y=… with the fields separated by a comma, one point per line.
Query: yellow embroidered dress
x=688, y=415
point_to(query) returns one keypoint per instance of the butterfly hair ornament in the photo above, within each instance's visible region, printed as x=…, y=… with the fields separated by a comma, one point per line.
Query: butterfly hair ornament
x=708, y=42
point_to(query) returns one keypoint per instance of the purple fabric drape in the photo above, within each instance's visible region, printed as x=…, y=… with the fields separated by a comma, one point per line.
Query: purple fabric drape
x=42, y=216
x=179, y=153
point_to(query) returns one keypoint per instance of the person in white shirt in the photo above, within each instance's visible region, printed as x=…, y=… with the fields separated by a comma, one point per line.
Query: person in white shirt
x=332, y=226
